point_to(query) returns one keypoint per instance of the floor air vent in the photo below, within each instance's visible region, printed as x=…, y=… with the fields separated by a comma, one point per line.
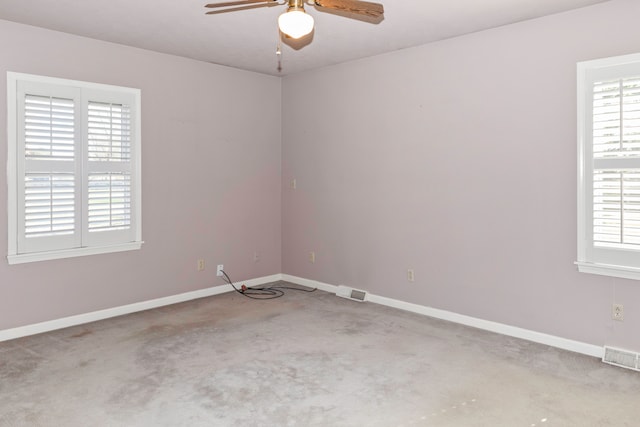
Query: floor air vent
x=350, y=293
x=623, y=358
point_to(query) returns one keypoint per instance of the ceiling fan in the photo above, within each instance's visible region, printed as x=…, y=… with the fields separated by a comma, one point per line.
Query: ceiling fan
x=295, y=22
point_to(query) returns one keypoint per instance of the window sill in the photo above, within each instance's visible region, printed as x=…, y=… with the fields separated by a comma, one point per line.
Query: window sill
x=609, y=270
x=71, y=253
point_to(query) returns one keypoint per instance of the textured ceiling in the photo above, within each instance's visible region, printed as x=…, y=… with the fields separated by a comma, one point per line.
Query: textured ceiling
x=248, y=39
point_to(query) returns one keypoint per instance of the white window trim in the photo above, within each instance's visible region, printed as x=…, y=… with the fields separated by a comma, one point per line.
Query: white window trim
x=585, y=263
x=13, y=257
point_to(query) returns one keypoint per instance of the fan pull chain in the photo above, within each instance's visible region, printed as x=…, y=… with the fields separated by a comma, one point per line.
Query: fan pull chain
x=279, y=51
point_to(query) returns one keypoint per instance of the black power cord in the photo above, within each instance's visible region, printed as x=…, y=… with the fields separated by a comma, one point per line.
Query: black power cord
x=270, y=292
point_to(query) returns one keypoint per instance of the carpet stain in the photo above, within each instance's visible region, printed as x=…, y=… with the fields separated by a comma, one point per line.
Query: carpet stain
x=81, y=334
x=301, y=360
x=18, y=365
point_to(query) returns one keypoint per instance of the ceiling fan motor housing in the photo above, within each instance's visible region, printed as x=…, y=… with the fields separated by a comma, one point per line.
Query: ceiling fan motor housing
x=296, y=5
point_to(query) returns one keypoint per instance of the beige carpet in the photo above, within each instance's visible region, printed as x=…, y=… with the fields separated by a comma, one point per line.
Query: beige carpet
x=302, y=360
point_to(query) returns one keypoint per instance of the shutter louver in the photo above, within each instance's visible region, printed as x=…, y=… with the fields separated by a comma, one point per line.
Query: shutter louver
x=607, y=215
x=49, y=204
x=616, y=118
x=631, y=115
x=109, y=132
x=109, y=201
x=616, y=208
x=49, y=128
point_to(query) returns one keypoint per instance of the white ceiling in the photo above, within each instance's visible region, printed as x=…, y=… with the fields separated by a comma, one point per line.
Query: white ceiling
x=248, y=39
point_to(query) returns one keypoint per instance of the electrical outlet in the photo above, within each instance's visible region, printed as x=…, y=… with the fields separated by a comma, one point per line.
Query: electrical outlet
x=312, y=257
x=294, y=184
x=617, y=312
x=219, y=270
x=410, y=275
x=200, y=265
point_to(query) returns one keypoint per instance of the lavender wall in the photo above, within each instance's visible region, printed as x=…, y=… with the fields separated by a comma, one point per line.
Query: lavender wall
x=210, y=170
x=457, y=159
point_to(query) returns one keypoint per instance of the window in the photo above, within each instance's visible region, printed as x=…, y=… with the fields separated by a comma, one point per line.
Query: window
x=73, y=169
x=609, y=166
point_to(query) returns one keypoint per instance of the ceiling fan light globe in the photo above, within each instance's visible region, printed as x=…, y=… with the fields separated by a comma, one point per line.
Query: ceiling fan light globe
x=295, y=23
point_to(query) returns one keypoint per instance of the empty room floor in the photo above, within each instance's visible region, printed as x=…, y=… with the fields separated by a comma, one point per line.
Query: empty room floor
x=306, y=359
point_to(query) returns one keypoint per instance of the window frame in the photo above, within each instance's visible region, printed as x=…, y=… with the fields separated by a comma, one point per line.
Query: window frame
x=602, y=261
x=13, y=169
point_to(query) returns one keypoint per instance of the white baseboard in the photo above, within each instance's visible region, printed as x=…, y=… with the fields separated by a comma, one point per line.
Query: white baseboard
x=310, y=283
x=538, y=337
x=500, y=328
x=80, y=319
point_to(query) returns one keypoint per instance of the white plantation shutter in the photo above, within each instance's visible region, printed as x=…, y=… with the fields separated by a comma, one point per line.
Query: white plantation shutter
x=48, y=201
x=108, y=218
x=49, y=125
x=109, y=131
x=616, y=118
x=616, y=209
x=49, y=204
x=616, y=163
x=609, y=166
x=109, y=201
x=74, y=168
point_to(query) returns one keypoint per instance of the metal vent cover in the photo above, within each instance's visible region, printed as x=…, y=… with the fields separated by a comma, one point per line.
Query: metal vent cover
x=623, y=358
x=352, y=294
x=359, y=295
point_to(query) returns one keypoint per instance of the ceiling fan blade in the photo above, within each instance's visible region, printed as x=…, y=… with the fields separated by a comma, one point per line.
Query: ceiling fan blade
x=353, y=6
x=251, y=6
x=238, y=3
